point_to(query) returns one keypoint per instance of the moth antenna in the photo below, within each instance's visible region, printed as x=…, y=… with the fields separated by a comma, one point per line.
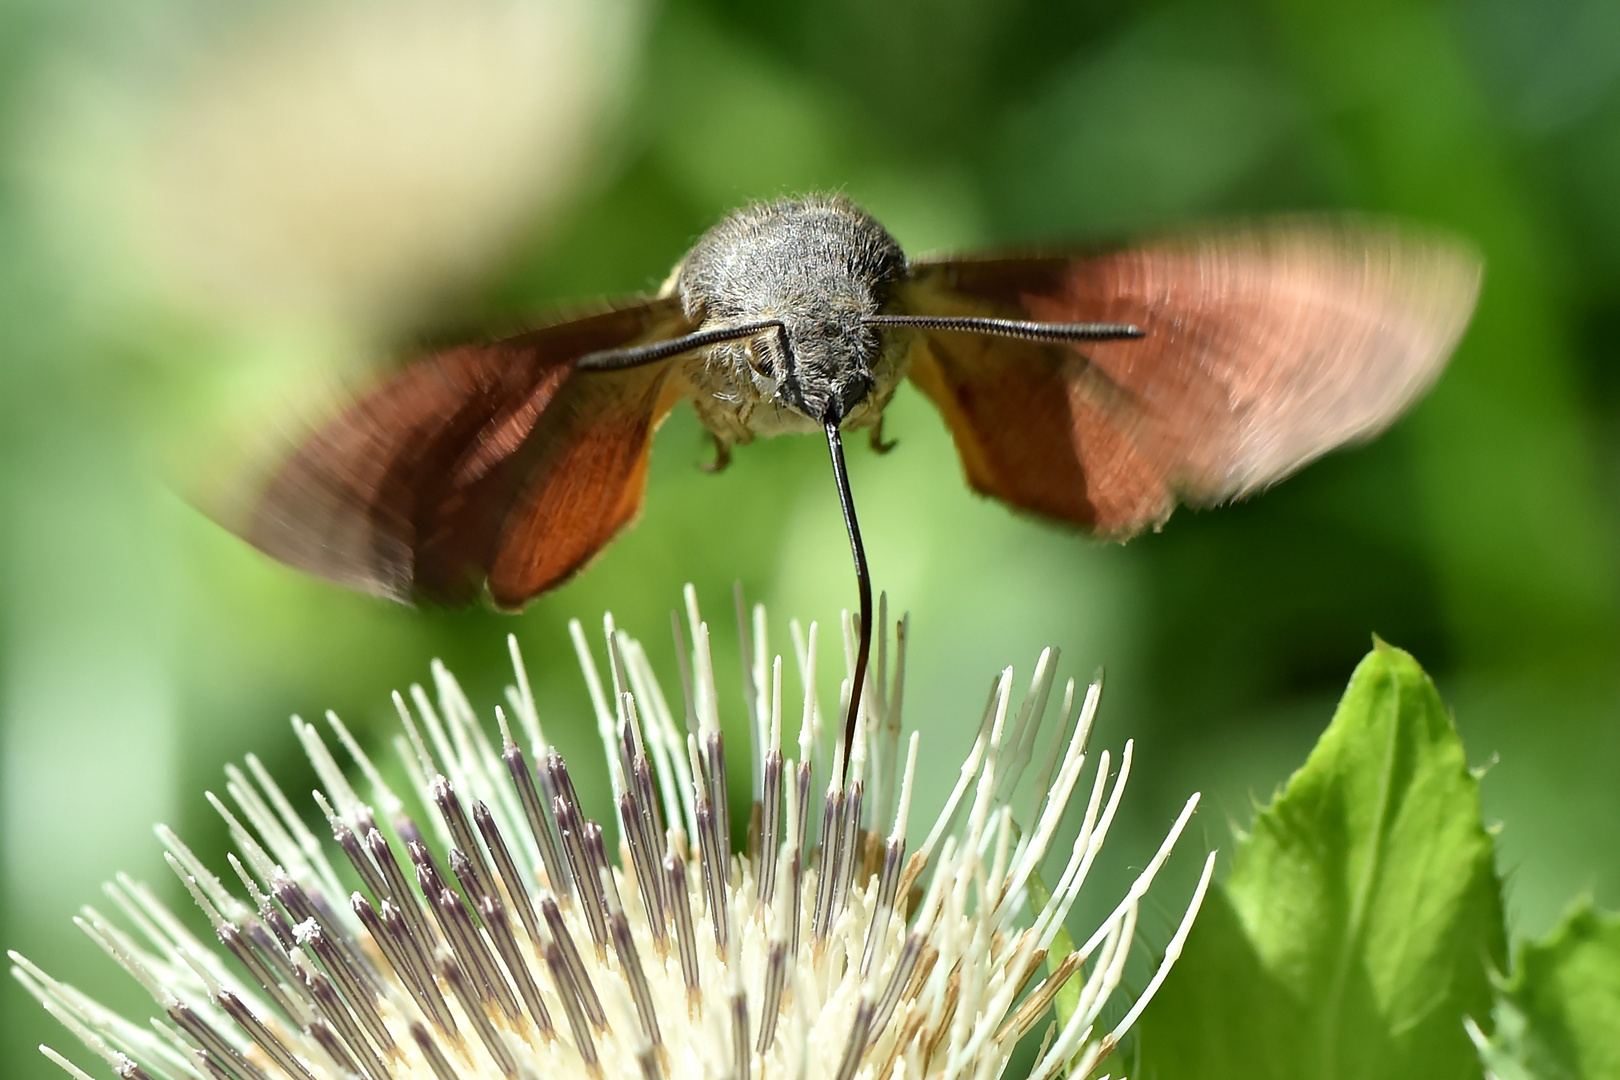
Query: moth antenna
x=863, y=582
x=1013, y=328
x=637, y=355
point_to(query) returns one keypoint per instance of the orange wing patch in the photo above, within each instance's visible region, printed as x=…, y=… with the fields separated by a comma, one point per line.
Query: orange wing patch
x=407, y=491
x=587, y=482
x=1036, y=429
x=1263, y=349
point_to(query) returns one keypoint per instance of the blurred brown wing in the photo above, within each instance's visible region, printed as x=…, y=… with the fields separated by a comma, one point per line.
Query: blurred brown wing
x=586, y=472
x=1265, y=347
x=414, y=489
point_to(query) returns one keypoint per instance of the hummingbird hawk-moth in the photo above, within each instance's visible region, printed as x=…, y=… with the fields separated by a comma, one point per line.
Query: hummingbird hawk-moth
x=1095, y=389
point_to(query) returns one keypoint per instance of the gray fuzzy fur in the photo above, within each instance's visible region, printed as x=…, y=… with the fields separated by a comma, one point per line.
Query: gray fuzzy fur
x=819, y=264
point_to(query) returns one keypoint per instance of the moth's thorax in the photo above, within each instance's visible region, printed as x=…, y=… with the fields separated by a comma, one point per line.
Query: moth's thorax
x=819, y=265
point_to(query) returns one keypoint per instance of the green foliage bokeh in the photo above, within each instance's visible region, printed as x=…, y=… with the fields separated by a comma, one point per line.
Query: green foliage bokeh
x=140, y=646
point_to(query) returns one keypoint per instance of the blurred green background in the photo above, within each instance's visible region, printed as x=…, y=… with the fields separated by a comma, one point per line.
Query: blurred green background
x=205, y=207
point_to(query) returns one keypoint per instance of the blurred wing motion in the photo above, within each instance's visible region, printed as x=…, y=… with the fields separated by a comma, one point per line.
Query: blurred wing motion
x=483, y=462
x=1264, y=348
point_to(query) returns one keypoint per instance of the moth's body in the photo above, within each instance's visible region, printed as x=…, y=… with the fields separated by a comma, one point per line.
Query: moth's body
x=1095, y=389
x=820, y=266
x=1098, y=390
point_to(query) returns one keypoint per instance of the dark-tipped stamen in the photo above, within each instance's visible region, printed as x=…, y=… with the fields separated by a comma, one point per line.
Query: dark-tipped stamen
x=832, y=814
x=213, y=1043
x=635, y=977
x=437, y=1062
x=770, y=828
x=740, y=1058
x=354, y=985
x=267, y=950
x=860, y=1031
x=646, y=872
x=771, y=997
x=230, y=936
x=210, y=1063
x=507, y=870
x=714, y=758
x=445, y=798
x=404, y=897
x=467, y=946
x=776, y=971
x=306, y=908
x=240, y=945
x=445, y=903
x=573, y=844
x=573, y=962
x=594, y=848
x=450, y=973
x=652, y=829
x=419, y=954
x=894, y=858
x=638, y=829
x=369, y=874
x=573, y=1003
x=262, y=1036
x=493, y=914
x=487, y=965
x=710, y=858
x=330, y=1004
x=798, y=834
x=849, y=847
x=270, y=916
x=904, y=968
x=327, y=1039
x=387, y=930
x=542, y=825
x=680, y=907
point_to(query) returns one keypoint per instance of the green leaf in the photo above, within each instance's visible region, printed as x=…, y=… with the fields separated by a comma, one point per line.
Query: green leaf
x=1068, y=995
x=1361, y=915
x=1558, y=1017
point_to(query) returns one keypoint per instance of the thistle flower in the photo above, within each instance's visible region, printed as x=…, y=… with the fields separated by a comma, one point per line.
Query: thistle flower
x=492, y=935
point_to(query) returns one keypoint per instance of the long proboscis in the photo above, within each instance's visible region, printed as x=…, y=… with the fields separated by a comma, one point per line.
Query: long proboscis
x=863, y=583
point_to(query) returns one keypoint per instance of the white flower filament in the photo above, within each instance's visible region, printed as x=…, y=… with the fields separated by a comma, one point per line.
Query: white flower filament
x=505, y=941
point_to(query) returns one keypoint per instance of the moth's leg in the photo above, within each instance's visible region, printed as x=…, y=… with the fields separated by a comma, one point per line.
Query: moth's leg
x=722, y=455
x=875, y=437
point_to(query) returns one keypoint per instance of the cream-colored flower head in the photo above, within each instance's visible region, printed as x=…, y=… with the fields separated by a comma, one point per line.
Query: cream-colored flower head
x=492, y=935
